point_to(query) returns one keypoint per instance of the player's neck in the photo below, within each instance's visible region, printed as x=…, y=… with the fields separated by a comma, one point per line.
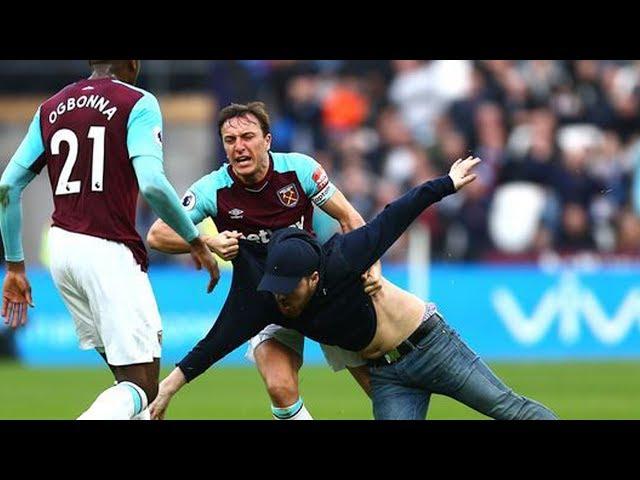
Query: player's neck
x=257, y=176
x=98, y=74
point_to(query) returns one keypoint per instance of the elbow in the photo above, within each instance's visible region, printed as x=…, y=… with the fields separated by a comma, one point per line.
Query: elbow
x=152, y=239
x=154, y=236
x=153, y=194
x=6, y=191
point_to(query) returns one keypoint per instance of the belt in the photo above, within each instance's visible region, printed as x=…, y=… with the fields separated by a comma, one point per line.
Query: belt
x=408, y=345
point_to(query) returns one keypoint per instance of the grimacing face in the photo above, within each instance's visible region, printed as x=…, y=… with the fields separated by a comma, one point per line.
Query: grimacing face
x=246, y=147
x=292, y=305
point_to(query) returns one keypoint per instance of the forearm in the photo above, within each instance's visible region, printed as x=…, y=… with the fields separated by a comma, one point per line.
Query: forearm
x=163, y=238
x=13, y=181
x=226, y=335
x=11, y=224
x=162, y=197
x=340, y=209
x=244, y=314
x=165, y=203
x=218, y=343
x=352, y=221
x=174, y=382
x=365, y=245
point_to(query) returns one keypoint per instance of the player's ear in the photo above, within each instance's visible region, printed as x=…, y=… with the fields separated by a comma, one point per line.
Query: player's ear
x=267, y=139
x=134, y=67
x=314, y=278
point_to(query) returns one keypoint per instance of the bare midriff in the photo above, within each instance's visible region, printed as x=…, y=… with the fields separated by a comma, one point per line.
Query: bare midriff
x=398, y=314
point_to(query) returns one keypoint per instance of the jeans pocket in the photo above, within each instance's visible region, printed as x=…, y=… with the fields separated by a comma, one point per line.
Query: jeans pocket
x=431, y=337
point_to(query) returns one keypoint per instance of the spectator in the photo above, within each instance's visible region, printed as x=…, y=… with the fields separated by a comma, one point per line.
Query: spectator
x=423, y=91
x=572, y=127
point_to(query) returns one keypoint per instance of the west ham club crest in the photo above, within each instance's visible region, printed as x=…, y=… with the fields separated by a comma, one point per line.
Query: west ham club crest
x=289, y=196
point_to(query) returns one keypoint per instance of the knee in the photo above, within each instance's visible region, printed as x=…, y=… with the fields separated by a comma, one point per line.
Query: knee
x=282, y=388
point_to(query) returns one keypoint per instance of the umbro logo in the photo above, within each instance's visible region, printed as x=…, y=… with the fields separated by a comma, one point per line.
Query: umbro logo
x=236, y=213
x=87, y=88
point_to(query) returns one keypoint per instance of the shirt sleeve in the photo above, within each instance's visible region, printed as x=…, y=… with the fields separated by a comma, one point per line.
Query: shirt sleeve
x=245, y=312
x=200, y=200
x=144, y=128
x=162, y=197
x=363, y=246
x=314, y=180
x=14, y=179
x=32, y=146
x=324, y=225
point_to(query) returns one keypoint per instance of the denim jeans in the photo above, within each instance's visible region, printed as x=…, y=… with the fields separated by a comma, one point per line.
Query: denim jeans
x=442, y=363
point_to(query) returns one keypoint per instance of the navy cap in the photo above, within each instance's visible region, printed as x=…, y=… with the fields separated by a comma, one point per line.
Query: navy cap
x=288, y=261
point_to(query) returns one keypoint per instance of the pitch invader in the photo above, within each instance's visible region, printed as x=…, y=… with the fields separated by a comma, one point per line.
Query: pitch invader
x=256, y=192
x=101, y=141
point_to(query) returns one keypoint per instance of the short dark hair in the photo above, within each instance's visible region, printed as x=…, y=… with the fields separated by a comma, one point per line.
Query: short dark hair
x=93, y=63
x=233, y=110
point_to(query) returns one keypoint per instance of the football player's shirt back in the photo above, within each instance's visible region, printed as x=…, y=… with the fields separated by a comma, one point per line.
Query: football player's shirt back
x=89, y=131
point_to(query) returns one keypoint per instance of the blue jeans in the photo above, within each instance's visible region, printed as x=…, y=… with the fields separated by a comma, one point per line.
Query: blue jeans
x=442, y=363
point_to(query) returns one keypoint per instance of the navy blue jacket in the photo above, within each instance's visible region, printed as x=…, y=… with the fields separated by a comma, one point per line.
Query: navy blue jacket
x=339, y=313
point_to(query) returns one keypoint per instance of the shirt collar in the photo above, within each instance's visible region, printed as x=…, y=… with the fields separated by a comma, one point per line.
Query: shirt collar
x=258, y=187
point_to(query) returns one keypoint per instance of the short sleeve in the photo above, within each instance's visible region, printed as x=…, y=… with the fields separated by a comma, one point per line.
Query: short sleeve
x=144, y=129
x=200, y=200
x=314, y=180
x=31, y=147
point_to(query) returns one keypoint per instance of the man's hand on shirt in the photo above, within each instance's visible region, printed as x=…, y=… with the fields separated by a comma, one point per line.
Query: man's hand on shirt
x=372, y=279
x=224, y=244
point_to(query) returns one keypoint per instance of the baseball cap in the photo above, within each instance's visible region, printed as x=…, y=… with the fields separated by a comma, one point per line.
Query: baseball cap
x=288, y=261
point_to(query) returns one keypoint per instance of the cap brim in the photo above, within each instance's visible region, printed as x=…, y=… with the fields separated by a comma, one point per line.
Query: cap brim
x=282, y=285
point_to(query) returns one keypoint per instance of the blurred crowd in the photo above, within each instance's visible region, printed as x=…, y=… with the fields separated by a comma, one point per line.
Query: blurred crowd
x=558, y=140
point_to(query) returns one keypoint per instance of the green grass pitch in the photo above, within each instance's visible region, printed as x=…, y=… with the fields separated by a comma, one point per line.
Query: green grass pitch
x=608, y=390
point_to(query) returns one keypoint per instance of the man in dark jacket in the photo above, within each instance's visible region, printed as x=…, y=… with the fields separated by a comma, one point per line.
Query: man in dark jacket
x=410, y=349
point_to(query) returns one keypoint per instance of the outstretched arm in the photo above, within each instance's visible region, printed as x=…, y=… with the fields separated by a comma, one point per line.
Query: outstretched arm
x=14, y=180
x=244, y=314
x=144, y=144
x=16, y=291
x=227, y=334
x=339, y=208
x=364, y=246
